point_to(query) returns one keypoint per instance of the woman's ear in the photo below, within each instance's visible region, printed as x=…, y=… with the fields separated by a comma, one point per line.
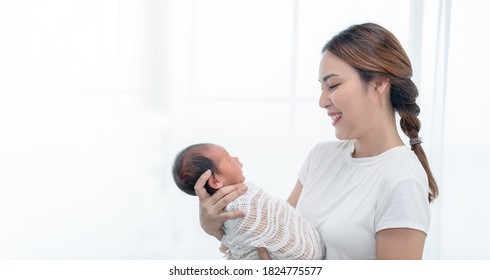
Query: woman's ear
x=214, y=182
x=381, y=85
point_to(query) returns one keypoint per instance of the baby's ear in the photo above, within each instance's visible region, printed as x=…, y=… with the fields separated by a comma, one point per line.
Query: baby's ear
x=214, y=182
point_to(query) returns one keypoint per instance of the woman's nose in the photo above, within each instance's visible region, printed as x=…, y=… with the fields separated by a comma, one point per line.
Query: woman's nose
x=324, y=101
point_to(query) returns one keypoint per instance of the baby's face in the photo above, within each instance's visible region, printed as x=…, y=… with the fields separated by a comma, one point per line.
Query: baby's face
x=229, y=167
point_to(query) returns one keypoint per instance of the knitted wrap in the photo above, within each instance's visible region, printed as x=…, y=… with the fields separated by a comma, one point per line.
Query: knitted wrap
x=270, y=223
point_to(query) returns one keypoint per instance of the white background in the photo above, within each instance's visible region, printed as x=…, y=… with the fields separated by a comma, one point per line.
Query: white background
x=97, y=97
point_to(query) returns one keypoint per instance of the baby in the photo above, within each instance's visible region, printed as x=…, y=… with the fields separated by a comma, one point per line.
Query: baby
x=269, y=222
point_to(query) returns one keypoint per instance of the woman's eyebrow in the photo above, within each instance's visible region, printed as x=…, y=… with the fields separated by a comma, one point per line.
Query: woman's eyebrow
x=324, y=79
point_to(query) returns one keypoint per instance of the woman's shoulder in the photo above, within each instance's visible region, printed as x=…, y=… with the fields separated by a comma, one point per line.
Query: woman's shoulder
x=405, y=166
x=405, y=160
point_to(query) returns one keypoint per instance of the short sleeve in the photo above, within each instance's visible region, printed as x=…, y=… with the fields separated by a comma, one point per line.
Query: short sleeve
x=404, y=204
x=305, y=168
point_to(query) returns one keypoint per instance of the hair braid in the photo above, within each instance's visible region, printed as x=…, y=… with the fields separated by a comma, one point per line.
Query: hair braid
x=403, y=98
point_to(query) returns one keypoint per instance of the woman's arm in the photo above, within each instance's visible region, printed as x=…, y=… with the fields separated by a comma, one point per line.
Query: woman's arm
x=400, y=244
x=294, y=196
x=211, y=207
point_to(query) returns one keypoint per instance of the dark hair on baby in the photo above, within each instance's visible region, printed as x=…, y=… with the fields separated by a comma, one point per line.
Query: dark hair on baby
x=189, y=165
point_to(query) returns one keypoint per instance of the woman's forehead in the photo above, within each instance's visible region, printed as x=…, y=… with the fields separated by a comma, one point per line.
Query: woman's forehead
x=331, y=66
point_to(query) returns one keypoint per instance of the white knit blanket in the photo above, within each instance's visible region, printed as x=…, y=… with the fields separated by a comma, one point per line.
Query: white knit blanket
x=270, y=223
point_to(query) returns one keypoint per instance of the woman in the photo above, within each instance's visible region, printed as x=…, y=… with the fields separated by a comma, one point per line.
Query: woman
x=367, y=194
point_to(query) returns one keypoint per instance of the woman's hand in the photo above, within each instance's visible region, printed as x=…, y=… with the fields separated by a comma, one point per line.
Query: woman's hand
x=211, y=208
x=263, y=253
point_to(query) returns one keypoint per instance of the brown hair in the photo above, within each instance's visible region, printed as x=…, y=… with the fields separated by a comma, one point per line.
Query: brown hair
x=376, y=53
x=189, y=165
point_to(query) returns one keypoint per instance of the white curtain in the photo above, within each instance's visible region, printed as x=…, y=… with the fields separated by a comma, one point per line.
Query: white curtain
x=97, y=97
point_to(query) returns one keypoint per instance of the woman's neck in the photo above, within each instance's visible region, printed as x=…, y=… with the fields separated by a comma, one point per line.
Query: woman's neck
x=365, y=150
x=377, y=141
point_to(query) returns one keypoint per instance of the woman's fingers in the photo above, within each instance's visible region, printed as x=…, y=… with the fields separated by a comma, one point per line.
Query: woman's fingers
x=199, y=186
x=263, y=253
x=211, y=208
x=227, y=194
x=231, y=215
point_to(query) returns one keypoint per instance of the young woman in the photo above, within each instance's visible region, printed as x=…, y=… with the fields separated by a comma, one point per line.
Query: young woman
x=367, y=194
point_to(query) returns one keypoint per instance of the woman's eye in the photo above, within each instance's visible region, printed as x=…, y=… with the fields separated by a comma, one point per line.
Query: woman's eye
x=332, y=87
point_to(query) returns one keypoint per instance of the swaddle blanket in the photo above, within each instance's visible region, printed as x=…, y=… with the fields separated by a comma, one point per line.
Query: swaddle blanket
x=270, y=223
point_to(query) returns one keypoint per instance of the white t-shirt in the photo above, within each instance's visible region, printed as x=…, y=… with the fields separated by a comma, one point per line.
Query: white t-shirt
x=270, y=223
x=350, y=199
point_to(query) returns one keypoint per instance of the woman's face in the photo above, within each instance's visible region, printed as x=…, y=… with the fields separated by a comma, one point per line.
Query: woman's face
x=350, y=103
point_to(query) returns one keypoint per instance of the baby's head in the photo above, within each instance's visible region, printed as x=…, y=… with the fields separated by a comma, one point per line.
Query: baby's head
x=194, y=160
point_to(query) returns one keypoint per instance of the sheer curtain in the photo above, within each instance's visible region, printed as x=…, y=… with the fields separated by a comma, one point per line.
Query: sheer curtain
x=97, y=97
x=83, y=125
x=463, y=150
